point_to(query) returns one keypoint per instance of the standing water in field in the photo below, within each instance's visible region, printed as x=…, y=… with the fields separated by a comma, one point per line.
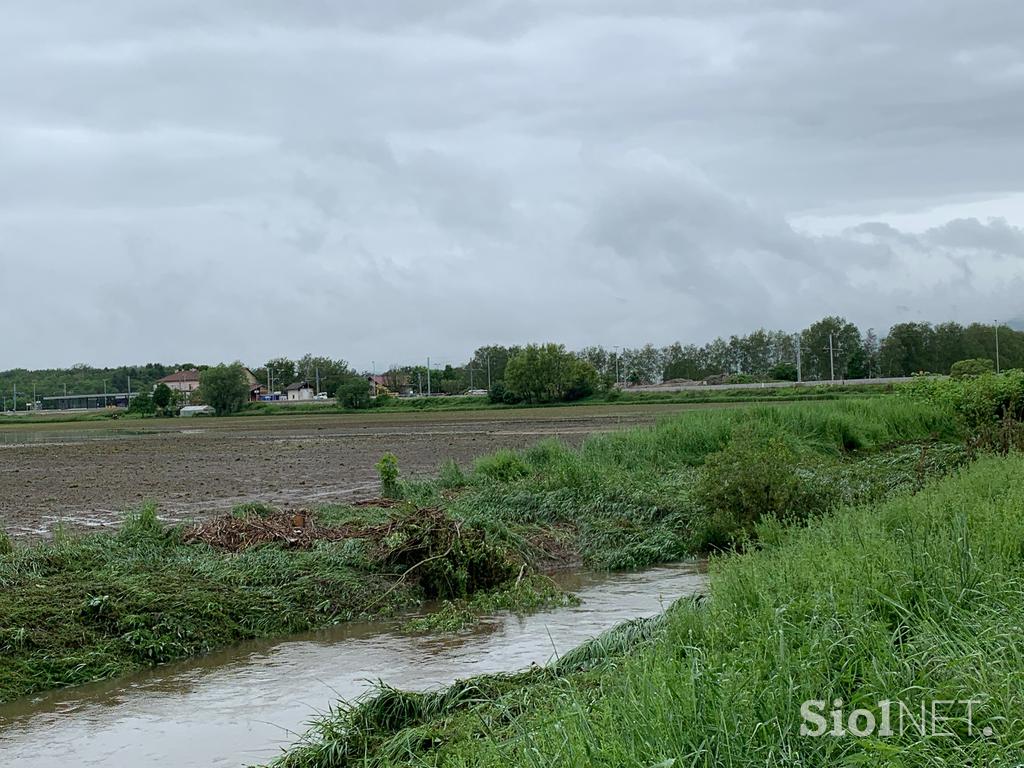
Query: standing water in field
x=243, y=705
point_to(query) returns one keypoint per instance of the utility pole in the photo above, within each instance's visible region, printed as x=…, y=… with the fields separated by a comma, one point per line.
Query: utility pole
x=373, y=376
x=428, y=377
x=616, y=364
x=997, y=346
x=799, y=361
x=318, y=379
x=831, y=359
x=129, y=391
x=488, y=372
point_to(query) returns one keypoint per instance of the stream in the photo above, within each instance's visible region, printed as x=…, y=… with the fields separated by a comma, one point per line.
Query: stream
x=243, y=705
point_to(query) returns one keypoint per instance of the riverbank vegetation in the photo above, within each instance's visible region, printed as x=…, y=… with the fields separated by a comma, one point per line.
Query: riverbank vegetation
x=912, y=600
x=84, y=607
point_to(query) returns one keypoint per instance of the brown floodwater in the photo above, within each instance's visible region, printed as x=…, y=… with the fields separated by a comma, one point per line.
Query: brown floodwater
x=244, y=705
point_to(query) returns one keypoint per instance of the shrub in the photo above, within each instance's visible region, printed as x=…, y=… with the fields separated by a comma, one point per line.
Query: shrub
x=757, y=475
x=977, y=366
x=355, y=394
x=451, y=475
x=6, y=546
x=496, y=394
x=387, y=468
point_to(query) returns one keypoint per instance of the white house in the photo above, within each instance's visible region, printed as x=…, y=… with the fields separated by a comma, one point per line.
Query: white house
x=300, y=390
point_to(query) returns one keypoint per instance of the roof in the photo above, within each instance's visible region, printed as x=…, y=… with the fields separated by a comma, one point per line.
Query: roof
x=298, y=385
x=180, y=376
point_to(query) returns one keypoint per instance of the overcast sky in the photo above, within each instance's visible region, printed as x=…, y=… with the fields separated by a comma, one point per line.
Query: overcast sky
x=385, y=180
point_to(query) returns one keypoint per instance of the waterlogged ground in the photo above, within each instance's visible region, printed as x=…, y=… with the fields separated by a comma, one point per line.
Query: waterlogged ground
x=244, y=705
x=85, y=475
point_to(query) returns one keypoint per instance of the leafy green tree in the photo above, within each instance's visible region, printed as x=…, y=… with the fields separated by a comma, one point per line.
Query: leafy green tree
x=817, y=361
x=908, y=349
x=548, y=373
x=142, y=403
x=354, y=393
x=782, y=372
x=224, y=387
x=162, y=396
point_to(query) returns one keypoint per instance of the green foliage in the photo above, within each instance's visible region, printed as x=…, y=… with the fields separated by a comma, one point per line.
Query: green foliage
x=387, y=470
x=978, y=366
x=224, y=387
x=496, y=394
x=784, y=371
x=6, y=545
x=143, y=404
x=162, y=396
x=548, y=373
x=355, y=394
x=502, y=466
x=755, y=475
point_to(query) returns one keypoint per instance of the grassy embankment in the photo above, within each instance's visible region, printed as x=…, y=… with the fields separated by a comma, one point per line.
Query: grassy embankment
x=913, y=600
x=93, y=606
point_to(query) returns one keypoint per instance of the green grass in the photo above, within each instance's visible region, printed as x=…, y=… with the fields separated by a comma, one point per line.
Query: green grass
x=626, y=499
x=914, y=599
x=86, y=607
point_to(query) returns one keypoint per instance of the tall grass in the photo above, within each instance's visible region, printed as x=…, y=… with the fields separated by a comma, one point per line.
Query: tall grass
x=918, y=599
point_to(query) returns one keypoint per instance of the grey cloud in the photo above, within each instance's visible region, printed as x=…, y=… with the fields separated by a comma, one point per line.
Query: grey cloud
x=580, y=170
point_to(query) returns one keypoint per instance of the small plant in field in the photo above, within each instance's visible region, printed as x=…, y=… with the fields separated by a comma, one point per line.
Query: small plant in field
x=502, y=466
x=451, y=476
x=6, y=547
x=387, y=469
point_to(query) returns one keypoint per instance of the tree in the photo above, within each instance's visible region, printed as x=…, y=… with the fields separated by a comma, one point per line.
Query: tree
x=355, y=393
x=224, y=387
x=548, y=373
x=818, y=360
x=908, y=349
x=162, y=396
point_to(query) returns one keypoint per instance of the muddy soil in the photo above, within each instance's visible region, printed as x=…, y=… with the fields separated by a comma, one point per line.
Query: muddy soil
x=86, y=475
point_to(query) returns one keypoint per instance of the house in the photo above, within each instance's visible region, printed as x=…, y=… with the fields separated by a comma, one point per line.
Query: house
x=186, y=381
x=391, y=383
x=300, y=390
x=257, y=391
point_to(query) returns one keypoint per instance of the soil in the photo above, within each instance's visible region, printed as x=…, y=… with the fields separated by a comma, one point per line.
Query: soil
x=87, y=474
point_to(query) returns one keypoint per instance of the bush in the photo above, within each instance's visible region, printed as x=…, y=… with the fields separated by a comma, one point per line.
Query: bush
x=757, y=475
x=143, y=404
x=355, y=394
x=383, y=400
x=977, y=366
x=783, y=372
x=6, y=546
x=387, y=468
x=496, y=394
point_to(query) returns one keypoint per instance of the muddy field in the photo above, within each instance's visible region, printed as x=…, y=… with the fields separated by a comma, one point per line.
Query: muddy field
x=87, y=474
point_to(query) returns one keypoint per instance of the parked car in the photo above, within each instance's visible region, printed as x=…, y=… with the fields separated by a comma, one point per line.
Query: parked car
x=321, y=396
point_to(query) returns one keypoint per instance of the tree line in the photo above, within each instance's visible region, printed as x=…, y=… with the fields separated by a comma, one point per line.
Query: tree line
x=831, y=348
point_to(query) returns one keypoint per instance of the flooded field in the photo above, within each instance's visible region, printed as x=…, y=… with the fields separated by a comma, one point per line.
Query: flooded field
x=243, y=705
x=85, y=475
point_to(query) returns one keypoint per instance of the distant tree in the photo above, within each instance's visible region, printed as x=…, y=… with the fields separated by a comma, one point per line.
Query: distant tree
x=978, y=366
x=224, y=387
x=142, y=403
x=818, y=362
x=548, y=373
x=782, y=372
x=162, y=396
x=908, y=349
x=354, y=393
